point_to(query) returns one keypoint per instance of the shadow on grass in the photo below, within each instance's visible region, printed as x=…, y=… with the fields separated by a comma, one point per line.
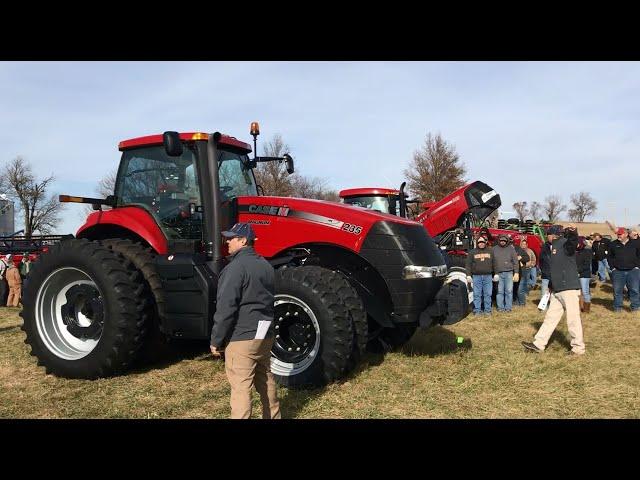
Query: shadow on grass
x=295, y=399
x=433, y=342
x=605, y=302
x=606, y=288
x=160, y=355
x=555, y=337
x=5, y=329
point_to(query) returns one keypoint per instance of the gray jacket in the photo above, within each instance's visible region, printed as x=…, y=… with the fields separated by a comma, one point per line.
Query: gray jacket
x=505, y=259
x=245, y=299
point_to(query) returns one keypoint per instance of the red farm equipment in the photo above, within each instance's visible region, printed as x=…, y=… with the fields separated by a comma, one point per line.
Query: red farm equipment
x=19, y=245
x=346, y=278
x=450, y=221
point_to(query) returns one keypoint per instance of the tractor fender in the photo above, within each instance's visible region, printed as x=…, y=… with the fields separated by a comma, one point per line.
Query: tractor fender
x=112, y=223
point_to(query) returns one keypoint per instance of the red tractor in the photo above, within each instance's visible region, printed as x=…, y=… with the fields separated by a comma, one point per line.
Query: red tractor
x=346, y=277
x=451, y=221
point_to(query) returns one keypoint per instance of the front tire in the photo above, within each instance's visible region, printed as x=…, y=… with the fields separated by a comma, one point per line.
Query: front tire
x=83, y=310
x=314, y=333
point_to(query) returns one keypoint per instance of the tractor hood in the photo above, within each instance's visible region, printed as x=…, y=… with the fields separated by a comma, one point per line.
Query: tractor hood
x=307, y=208
x=281, y=222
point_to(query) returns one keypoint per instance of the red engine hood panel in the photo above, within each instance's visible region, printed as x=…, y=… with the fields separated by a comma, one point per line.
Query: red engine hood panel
x=282, y=222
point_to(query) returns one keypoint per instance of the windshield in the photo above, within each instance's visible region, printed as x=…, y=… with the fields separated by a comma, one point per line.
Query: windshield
x=380, y=204
x=235, y=178
x=164, y=186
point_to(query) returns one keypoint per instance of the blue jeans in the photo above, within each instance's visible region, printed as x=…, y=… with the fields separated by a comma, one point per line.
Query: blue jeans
x=586, y=293
x=523, y=286
x=544, y=286
x=603, y=269
x=505, y=291
x=630, y=278
x=533, y=277
x=482, y=289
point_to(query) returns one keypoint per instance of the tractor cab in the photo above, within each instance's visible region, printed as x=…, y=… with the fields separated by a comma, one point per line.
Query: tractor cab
x=169, y=187
x=384, y=200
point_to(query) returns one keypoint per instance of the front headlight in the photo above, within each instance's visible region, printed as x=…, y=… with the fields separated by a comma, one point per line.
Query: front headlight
x=414, y=271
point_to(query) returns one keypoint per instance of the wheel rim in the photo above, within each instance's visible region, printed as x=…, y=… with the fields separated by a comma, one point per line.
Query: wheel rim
x=297, y=334
x=69, y=313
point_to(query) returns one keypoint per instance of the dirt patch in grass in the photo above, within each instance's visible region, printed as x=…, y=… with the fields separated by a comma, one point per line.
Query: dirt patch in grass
x=487, y=376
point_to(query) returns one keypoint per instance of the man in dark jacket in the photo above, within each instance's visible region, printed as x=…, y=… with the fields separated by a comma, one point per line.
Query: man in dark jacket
x=624, y=260
x=241, y=324
x=600, y=248
x=565, y=288
x=479, y=268
x=583, y=262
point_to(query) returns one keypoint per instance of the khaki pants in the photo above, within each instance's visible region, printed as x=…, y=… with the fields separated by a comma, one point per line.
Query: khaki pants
x=14, y=296
x=248, y=363
x=567, y=300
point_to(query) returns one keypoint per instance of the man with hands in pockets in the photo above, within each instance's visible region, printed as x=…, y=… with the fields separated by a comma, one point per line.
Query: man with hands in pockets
x=242, y=324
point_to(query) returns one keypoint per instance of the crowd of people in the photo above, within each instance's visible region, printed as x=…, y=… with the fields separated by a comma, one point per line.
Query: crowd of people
x=503, y=264
x=493, y=270
x=11, y=279
x=568, y=262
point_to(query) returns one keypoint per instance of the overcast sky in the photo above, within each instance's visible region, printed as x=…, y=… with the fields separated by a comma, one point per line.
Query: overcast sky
x=528, y=129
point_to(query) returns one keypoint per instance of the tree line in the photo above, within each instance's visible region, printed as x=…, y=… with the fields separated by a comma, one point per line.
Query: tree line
x=582, y=206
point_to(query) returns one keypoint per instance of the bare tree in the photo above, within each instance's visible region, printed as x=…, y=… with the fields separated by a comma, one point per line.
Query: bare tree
x=106, y=186
x=553, y=207
x=273, y=176
x=313, y=187
x=534, y=210
x=436, y=170
x=41, y=213
x=583, y=206
x=521, y=210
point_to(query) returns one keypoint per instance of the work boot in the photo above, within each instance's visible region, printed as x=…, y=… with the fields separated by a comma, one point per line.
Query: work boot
x=581, y=304
x=531, y=347
x=587, y=307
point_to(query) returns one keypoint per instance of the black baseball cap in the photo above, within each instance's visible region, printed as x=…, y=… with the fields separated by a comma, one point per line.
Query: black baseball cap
x=555, y=230
x=240, y=229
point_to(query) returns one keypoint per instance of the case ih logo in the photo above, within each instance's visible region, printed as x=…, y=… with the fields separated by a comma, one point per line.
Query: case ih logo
x=268, y=210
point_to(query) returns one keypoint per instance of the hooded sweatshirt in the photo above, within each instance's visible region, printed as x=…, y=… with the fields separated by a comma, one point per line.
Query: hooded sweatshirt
x=505, y=259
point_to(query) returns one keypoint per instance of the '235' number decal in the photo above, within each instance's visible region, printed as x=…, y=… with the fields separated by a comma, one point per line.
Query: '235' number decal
x=351, y=228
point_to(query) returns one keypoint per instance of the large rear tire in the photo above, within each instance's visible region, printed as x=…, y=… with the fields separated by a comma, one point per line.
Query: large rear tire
x=83, y=310
x=156, y=344
x=313, y=328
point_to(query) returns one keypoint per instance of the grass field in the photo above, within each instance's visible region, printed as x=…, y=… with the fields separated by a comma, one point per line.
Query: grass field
x=488, y=376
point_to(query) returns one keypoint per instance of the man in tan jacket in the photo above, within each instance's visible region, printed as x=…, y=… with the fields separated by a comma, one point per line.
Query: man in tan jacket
x=15, y=283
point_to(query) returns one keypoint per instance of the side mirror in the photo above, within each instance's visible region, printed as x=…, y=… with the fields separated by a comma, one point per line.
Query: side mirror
x=288, y=161
x=172, y=144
